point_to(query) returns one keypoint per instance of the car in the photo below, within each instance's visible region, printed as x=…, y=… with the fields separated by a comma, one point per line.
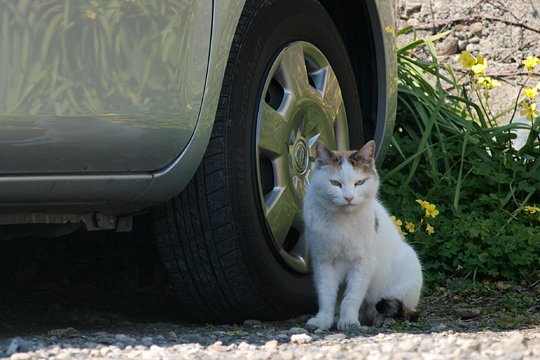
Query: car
x=201, y=114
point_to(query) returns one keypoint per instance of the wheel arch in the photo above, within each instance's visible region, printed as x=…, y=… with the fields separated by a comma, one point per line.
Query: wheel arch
x=367, y=29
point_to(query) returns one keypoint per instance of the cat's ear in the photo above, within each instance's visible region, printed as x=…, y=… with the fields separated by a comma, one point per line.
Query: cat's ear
x=325, y=156
x=366, y=155
x=367, y=152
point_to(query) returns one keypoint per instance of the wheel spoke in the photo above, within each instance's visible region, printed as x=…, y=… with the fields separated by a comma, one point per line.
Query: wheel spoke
x=342, y=132
x=332, y=93
x=281, y=209
x=293, y=71
x=272, y=132
x=301, y=250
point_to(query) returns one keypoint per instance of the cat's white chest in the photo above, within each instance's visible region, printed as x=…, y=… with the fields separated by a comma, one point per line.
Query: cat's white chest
x=345, y=240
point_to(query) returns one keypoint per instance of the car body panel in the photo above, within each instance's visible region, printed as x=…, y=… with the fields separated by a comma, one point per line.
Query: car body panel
x=101, y=86
x=118, y=194
x=128, y=189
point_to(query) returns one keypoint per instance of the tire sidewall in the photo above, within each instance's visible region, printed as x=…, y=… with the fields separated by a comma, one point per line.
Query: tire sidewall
x=274, y=25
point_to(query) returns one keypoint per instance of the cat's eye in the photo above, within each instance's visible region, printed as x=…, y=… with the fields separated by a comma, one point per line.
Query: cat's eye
x=335, y=183
x=360, y=182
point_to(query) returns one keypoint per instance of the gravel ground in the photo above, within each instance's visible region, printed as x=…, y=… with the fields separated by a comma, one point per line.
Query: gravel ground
x=257, y=340
x=95, y=296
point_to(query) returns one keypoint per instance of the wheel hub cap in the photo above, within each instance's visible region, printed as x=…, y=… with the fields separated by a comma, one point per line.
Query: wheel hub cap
x=301, y=157
x=301, y=103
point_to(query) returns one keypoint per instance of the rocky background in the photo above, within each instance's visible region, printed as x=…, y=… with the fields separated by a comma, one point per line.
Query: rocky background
x=503, y=31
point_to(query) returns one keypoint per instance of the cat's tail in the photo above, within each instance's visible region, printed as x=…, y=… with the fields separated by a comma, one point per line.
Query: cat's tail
x=395, y=309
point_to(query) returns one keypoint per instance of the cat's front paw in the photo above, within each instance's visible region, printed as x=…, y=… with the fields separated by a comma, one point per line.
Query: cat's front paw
x=348, y=325
x=321, y=322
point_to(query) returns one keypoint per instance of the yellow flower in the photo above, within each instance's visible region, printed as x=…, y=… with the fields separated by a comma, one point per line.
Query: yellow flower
x=531, y=209
x=398, y=225
x=467, y=59
x=90, y=14
x=431, y=210
x=409, y=226
x=396, y=221
x=429, y=229
x=537, y=86
x=487, y=82
x=530, y=62
x=480, y=66
x=528, y=110
x=530, y=92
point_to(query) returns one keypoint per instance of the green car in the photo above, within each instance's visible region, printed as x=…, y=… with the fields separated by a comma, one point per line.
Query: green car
x=203, y=113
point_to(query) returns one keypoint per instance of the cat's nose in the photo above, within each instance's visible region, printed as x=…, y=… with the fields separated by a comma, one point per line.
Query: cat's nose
x=349, y=198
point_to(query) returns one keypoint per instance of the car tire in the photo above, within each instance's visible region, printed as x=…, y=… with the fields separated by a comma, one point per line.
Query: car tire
x=218, y=238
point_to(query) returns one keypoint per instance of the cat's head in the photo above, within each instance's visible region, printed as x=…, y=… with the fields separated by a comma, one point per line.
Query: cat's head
x=345, y=180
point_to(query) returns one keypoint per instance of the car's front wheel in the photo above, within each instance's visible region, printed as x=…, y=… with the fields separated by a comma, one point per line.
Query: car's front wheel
x=232, y=241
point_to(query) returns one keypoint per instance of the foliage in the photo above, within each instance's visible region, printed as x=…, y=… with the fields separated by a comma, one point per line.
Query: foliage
x=451, y=151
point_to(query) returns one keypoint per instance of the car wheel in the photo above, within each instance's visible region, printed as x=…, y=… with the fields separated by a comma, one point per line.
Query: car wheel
x=232, y=240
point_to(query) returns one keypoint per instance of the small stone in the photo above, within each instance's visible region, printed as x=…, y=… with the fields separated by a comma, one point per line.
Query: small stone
x=243, y=346
x=107, y=340
x=462, y=44
x=515, y=344
x=282, y=337
x=119, y=345
x=473, y=48
x=272, y=344
x=147, y=341
x=449, y=46
x=465, y=313
x=252, y=323
x=67, y=332
x=193, y=338
x=476, y=28
x=337, y=336
x=120, y=337
x=474, y=40
x=301, y=339
x=412, y=8
x=13, y=346
x=296, y=330
x=172, y=335
x=160, y=338
x=21, y=356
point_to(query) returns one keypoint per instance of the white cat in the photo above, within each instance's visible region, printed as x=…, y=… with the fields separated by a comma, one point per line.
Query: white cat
x=354, y=244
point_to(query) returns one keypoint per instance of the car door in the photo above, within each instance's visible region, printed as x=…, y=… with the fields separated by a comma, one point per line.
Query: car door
x=99, y=86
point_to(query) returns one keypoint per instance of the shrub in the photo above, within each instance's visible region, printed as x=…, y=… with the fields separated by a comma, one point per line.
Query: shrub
x=450, y=151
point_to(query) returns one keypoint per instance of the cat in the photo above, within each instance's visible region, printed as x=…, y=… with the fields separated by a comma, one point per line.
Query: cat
x=355, y=245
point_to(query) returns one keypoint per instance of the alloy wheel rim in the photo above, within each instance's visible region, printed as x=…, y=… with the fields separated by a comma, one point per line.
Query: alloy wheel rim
x=301, y=103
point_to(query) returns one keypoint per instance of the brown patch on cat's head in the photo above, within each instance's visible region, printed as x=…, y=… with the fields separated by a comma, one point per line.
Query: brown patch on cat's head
x=326, y=157
x=364, y=158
